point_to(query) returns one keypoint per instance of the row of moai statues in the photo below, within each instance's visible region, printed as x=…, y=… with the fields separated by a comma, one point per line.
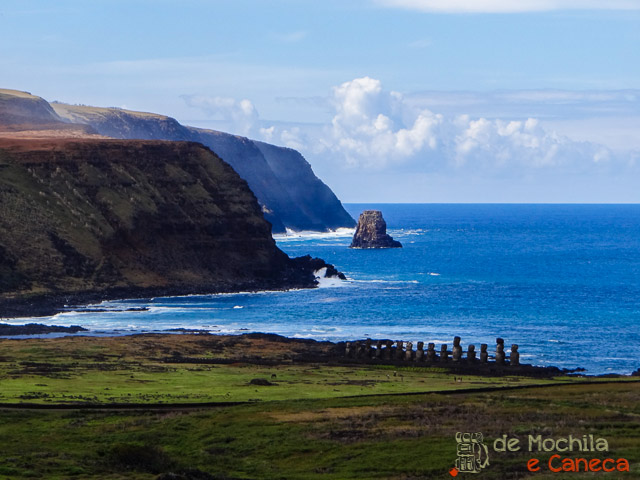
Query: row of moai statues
x=386, y=350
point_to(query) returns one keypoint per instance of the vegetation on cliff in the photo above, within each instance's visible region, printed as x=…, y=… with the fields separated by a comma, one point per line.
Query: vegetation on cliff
x=22, y=108
x=289, y=192
x=128, y=218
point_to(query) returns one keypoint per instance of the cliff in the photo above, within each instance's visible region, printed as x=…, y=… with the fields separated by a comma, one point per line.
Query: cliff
x=20, y=108
x=91, y=219
x=371, y=232
x=289, y=192
x=313, y=205
x=251, y=165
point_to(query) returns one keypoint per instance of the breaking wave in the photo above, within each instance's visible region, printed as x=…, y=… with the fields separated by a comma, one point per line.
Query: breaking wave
x=313, y=235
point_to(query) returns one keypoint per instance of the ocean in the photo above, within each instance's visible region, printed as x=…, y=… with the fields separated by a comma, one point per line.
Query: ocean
x=561, y=281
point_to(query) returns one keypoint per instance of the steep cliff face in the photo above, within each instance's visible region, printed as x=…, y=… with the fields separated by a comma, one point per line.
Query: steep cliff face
x=125, y=124
x=288, y=190
x=17, y=108
x=132, y=217
x=313, y=205
x=251, y=165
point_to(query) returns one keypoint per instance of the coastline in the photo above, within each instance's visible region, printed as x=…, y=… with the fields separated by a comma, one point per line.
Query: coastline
x=302, y=350
x=46, y=305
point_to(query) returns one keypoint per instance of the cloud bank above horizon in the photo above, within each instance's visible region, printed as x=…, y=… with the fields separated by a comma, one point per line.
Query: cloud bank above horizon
x=507, y=6
x=373, y=129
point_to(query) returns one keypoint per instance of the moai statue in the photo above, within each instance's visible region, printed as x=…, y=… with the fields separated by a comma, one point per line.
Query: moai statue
x=471, y=353
x=400, y=350
x=431, y=353
x=444, y=354
x=367, y=348
x=456, y=354
x=409, y=354
x=484, y=355
x=500, y=351
x=357, y=349
x=515, y=356
x=388, y=351
x=379, y=349
x=420, y=352
x=348, y=350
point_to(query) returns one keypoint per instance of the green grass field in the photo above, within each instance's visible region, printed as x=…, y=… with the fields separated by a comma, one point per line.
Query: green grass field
x=142, y=369
x=315, y=422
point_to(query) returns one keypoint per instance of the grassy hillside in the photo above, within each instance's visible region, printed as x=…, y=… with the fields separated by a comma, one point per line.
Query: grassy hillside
x=92, y=215
x=156, y=369
x=282, y=180
x=18, y=108
x=316, y=421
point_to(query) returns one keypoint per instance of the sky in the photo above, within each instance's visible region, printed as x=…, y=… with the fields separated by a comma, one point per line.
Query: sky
x=441, y=101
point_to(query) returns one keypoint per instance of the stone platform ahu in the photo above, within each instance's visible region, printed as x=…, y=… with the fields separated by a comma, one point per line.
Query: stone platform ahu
x=371, y=232
x=384, y=351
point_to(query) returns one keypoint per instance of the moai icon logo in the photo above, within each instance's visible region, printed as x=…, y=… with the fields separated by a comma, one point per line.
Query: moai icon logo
x=473, y=455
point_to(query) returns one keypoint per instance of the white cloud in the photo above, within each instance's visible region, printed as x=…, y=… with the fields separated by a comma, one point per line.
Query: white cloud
x=240, y=115
x=502, y=143
x=367, y=128
x=290, y=37
x=267, y=133
x=508, y=6
x=609, y=117
x=376, y=130
x=293, y=138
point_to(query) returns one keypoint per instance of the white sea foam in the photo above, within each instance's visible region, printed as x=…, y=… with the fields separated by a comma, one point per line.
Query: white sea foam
x=312, y=235
x=171, y=310
x=318, y=329
x=385, y=281
x=324, y=281
x=237, y=307
x=328, y=300
x=406, y=232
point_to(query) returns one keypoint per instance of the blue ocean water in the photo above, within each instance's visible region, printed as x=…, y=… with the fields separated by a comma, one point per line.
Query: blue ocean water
x=562, y=281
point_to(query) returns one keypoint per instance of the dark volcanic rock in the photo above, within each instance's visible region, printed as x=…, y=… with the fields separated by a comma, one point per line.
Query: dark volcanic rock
x=263, y=382
x=372, y=232
x=37, y=329
x=313, y=205
x=85, y=220
x=315, y=265
x=290, y=194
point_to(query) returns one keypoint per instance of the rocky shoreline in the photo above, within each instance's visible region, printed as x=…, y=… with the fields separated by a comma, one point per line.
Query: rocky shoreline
x=37, y=329
x=249, y=348
x=301, y=274
x=82, y=221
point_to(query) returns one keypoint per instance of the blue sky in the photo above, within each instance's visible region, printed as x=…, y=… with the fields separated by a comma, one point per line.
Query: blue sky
x=389, y=100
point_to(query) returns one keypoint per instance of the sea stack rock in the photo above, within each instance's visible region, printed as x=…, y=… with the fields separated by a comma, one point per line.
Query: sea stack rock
x=371, y=232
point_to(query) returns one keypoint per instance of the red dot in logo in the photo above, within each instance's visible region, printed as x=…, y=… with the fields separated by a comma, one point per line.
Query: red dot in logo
x=453, y=472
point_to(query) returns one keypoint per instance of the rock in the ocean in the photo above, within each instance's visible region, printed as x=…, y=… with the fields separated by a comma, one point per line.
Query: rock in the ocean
x=371, y=232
